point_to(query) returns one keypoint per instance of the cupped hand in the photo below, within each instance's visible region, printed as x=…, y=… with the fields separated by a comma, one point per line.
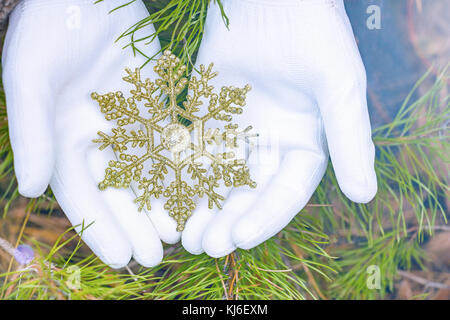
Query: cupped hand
x=308, y=102
x=57, y=53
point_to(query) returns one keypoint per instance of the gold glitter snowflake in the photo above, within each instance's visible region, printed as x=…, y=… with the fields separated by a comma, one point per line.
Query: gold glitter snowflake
x=168, y=144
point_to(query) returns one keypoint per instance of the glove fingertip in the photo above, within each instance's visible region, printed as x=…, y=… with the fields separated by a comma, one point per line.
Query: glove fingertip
x=150, y=259
x=117, y=262
x=30, y=191
x=30, y=185
x=245, y=235
x=33, y=177
x=361, y=191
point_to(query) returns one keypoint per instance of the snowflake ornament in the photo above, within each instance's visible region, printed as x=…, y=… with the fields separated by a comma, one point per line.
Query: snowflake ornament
x=161, y=142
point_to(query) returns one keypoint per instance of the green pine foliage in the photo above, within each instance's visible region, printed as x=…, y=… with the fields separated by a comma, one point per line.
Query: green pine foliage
x=329, y=251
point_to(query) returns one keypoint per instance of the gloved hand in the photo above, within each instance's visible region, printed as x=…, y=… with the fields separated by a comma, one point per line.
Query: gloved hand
x=308, y=96
x=55, y=55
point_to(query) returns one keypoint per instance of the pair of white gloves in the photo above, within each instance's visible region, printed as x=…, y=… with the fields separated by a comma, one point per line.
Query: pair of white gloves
x=308, y=100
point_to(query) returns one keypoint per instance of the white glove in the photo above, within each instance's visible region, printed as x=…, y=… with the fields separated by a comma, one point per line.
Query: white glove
x=309, y=94
x=56, y=53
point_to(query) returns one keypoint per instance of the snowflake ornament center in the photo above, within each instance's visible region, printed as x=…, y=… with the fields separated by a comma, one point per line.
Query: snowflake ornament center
x=134, y=138
x=175, y=137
